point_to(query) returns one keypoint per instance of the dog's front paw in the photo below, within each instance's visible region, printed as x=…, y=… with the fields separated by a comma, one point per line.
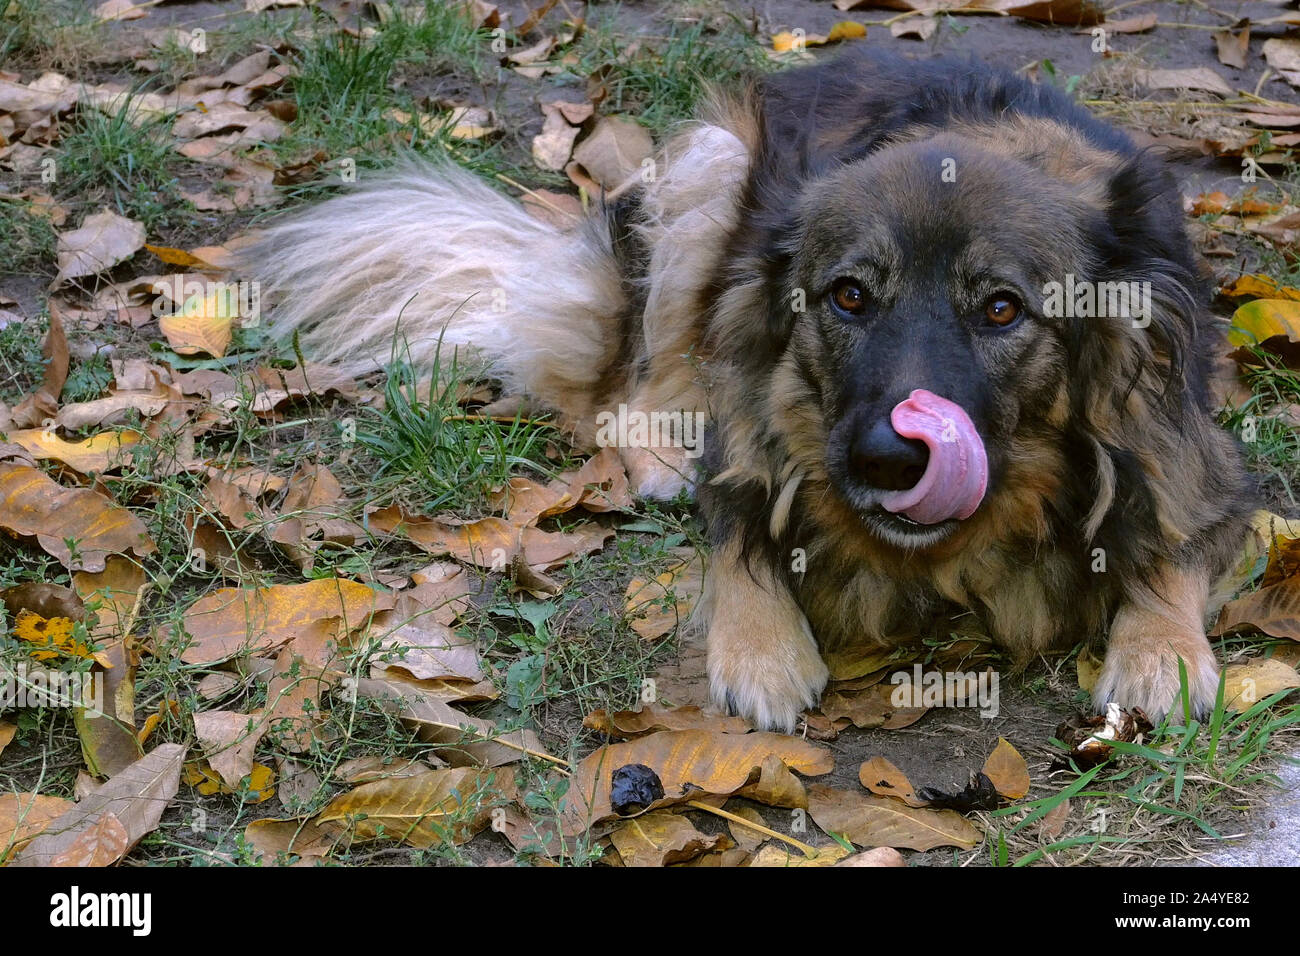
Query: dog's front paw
x=659, y=474
x=767, y=677
x=1145, y=674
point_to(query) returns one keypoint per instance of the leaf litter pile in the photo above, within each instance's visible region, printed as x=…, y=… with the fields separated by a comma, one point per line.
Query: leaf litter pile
x=330, y=620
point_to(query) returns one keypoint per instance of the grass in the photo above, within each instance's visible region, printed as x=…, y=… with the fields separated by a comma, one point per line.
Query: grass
x=422, y=439
x=661, y=80
x=129, y=165
x=1202, y=774
x=27, y=239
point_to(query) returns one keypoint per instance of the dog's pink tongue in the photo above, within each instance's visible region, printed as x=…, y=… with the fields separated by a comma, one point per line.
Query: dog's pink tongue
x=958, y=472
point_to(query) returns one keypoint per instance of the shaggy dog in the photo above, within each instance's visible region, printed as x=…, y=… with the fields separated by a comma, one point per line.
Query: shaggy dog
x=946, y=329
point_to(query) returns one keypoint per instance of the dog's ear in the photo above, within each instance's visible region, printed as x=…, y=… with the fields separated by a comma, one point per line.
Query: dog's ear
x=1138, y=381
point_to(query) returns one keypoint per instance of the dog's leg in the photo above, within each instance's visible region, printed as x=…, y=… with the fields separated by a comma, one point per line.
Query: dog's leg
x=1150, y=634
x=763, y=660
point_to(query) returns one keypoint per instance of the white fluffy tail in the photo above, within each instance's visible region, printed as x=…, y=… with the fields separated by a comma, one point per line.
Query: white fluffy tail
x=429, y=252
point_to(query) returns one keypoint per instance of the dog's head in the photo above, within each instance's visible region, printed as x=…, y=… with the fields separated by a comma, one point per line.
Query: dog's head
x=972, y=313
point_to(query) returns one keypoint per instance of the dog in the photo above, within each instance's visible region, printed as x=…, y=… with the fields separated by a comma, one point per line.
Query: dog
x=898, y=292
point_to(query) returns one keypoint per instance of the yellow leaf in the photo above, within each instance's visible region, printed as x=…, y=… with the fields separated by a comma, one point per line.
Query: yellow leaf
x=1259, y=286
x=51, y=636
x=203, y=323
x=846, y=30
x=1262, y=319
x=95, y=454
x=176, y=257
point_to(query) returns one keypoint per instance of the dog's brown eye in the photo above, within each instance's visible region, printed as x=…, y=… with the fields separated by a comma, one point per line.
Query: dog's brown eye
x=1002, y=309
x=849, y=297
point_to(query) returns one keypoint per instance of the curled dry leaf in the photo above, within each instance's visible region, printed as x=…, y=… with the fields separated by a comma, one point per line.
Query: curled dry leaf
x=31, y=505
x=1274, y=609
x=614, y=152
x=24, y=815
x=462, y=739
x=228, y=740
x=98, y=453
x=42, y=405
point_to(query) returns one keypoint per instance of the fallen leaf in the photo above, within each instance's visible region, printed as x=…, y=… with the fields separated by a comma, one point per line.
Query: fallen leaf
x=228, y=740
x=1192, y=78
x=1232, y=47
x=884, y=779
x=234, y=621
x=1258, y=321
x=1248, y=683
x=42, y=405
x=104, y=240
x=24, y=815
x=1008, y=771
x=1275, y=610
x=425, y=810
x=96, y=454
x=656, y=717
x=782, y=854
x=872, y=821
x=689, y=763
x=616, y=150
x=32, y=505
x=880, y=856
x=660, y=838
x=137, y=797
x=1283, y=55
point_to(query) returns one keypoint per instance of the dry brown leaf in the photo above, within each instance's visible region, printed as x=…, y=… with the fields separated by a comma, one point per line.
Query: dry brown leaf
x=656, y=717
x=102, y=844
x=709, y=762
x=42, y=405
x=31, y=505
x=24, y=815
x=1275, y=610
x=1008, y=770
x=885, y=780
x=235, y=621
x=1233, y=47
x=870, y=707
x=614, y=152
x=137, y=797
x=7, y=732
x=103, y=240
x=922, y=28
x=655, y=608
x=424, y=810
x=871, y=821
x=98, y=453
x=783, y=855
x=880, y=856
x=228, y=740
x=108, y=739
x=1249, y=682
x=1192, y=78
x=462, y=739
x=276, y=840
x=776, y=786
x=660, y=838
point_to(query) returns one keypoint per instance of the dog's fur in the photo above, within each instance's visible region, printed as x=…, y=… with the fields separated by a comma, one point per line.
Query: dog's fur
x=1113, y=501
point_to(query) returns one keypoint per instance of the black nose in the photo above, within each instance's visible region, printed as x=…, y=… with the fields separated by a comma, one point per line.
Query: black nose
x=884, y=459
